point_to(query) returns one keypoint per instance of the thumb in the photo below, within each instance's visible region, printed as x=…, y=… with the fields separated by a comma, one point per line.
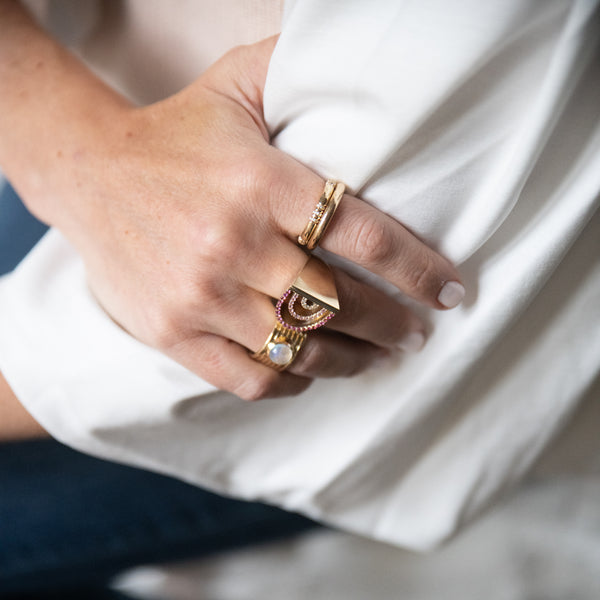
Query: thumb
x=241, y=74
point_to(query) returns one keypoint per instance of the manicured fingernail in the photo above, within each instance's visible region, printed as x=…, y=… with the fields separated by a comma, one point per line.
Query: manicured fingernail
x=451, y=294
x=413, y=342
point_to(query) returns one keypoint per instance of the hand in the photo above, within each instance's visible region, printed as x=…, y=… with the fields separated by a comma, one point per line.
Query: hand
x=186, y=219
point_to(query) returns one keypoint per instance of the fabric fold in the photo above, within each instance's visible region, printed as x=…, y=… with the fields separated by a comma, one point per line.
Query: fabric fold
x=478, y=127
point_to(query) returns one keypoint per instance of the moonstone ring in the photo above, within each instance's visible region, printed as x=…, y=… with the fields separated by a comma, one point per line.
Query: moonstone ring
x=281, y=347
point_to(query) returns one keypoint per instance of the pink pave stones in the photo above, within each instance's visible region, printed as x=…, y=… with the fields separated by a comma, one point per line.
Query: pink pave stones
x=300, y=313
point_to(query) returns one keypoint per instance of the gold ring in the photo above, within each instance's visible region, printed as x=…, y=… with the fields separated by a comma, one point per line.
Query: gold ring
x=322, y=214
x=309, y=303
x=312, y=299
x=281, y=348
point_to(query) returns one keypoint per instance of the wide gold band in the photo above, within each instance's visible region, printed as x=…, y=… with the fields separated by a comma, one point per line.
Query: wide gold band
x=312, y=299
x=281, y=348
x=309, y=303
x=322, y=214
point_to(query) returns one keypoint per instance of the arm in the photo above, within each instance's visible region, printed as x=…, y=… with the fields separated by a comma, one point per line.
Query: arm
x=15, y=422
x=52, y=115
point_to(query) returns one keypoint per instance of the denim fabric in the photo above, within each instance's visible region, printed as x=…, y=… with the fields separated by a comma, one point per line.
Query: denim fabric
x=70, y=522
x=19, y=230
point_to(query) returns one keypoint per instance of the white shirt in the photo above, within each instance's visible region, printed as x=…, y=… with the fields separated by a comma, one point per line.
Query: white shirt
x=477, y=126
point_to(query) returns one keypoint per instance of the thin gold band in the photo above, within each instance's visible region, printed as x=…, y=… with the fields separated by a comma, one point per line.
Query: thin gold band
x=322, y=214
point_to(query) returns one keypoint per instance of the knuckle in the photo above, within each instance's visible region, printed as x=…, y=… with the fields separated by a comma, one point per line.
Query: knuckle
x=164, y=329
x=216, y=242
x=248, y=178
x=253, y=172
x=373, y=241
x=423, y=276
x=214, y=363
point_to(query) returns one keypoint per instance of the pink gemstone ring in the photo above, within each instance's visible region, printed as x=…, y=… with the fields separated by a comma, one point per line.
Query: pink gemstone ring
x=308, y=304
x=300, y=313
x=312, y=299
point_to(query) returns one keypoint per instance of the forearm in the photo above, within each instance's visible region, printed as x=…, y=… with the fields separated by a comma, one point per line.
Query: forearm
x=15, y=421
x=52, y=112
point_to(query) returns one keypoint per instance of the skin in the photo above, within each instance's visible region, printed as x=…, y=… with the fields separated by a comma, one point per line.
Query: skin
x=186, y=217
x=15, y=422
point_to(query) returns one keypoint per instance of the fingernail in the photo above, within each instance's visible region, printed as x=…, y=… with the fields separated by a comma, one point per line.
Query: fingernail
x=451, y=294
x=413, y=342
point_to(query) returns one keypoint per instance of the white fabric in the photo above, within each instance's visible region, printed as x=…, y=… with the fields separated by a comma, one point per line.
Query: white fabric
x=475, y=124
x=543, y=542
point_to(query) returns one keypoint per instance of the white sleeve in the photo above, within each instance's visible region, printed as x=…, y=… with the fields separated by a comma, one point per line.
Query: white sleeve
x=477, y=125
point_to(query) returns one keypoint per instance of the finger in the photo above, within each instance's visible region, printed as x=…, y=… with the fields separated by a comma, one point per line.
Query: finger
x=228, y=366
x=246, y=318
x=271, y=269
x=330, y=354
x=367, y=237
x=374, y=240
x=324, y=354
x=369, y=314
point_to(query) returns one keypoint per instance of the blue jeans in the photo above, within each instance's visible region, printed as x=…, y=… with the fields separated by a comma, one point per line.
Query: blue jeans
x=70, y=522
x=19, y=230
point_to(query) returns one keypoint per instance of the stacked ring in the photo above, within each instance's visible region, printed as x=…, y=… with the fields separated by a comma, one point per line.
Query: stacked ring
x=322, y=214
x=308, y=304
x=312, y=299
